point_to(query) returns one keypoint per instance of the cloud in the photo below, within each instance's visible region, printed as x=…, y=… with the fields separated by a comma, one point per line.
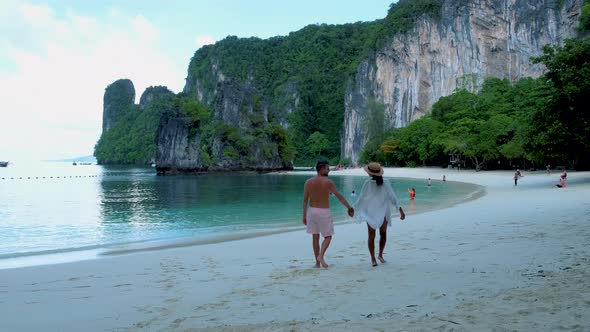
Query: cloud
x=144, y=29
x=203, y=40
x=52, y=93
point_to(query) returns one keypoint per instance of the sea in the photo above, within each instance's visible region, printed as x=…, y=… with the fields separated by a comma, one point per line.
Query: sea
x=54, y=212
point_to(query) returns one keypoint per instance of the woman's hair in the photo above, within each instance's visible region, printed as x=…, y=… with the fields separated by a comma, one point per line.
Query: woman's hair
x=378, y=179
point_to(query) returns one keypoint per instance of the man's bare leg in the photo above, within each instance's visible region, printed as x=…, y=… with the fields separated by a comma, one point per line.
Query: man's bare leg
x=325, y=245
x=382, y=240
x=316, y=248
x=371, y=243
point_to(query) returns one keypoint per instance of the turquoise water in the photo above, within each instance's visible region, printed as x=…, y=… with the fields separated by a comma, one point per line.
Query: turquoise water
x=57, y=207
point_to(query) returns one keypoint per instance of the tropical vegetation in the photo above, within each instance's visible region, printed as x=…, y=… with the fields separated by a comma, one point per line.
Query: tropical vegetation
x=531, y=122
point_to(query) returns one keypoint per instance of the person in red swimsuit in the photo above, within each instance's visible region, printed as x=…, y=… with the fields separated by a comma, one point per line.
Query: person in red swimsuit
x=412, y=193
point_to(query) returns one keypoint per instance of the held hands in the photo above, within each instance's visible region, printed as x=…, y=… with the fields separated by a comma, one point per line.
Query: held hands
x=350, y=212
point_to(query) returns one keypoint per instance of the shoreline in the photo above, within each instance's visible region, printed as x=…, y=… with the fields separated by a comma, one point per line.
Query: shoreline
x=515, y=259
x=92, y=252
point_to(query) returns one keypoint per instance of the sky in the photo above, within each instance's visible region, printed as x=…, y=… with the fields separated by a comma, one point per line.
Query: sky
x=57, y=57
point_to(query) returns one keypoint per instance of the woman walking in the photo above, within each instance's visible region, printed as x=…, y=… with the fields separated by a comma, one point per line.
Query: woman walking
x=374, y=207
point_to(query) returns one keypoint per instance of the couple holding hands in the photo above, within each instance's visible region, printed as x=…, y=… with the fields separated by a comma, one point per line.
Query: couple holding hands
x=373, y=207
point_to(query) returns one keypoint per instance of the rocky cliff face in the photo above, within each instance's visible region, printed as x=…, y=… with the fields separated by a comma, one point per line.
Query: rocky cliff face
x=129, y=129
x=240, y=106
x=118, y=98
x=226, y=96
x=152, y=94
x=241, y=138
x=472, y=40
x=178, y=146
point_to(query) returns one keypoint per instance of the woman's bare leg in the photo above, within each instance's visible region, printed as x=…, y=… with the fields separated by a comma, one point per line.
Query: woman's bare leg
x=382, y=240
x=371, y=243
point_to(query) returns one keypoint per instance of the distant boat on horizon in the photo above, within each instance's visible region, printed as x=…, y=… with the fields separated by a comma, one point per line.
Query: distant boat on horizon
x=3, y=163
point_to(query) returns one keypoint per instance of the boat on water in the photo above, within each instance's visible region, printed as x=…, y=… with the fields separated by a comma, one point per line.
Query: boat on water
x=3, y=163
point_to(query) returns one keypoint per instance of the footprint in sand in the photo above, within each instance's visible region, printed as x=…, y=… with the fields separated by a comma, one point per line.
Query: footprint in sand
x=176, y=323
x=35, y=290
x=436, y=296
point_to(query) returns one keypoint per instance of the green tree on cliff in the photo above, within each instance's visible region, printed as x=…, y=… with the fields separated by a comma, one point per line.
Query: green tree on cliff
x=317, y=143
x=561, y=129
x=318, y=61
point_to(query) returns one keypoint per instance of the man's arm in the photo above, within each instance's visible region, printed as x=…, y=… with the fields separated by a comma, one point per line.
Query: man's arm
x=341, y=199
x=305, y=201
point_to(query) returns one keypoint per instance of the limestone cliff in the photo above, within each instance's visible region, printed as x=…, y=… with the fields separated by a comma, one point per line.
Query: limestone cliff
x=226, y=95
x=153, y=94
x=119, y=97
x=128, y=128
x=241, y=135
x=266, y=98
x=472, y=39
x=178, y=148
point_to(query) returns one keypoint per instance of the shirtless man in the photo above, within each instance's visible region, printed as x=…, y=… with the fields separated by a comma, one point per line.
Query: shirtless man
x=317, y=217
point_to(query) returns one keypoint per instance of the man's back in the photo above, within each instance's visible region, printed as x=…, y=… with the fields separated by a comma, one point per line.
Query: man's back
x=319, y=188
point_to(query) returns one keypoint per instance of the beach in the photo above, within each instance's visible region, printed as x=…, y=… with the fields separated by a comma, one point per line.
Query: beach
x=515, y=259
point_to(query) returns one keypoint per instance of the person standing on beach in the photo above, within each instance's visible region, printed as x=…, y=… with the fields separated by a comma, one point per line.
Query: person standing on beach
x=548, y=169
x=562, y=180
x=374, y=207
x=317, y=216
x=517, y=176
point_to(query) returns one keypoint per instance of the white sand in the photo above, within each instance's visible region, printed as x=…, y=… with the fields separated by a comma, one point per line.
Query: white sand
x=515, y=259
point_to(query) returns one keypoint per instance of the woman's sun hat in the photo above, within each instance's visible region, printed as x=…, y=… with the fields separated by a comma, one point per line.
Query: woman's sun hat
x=374, y=169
